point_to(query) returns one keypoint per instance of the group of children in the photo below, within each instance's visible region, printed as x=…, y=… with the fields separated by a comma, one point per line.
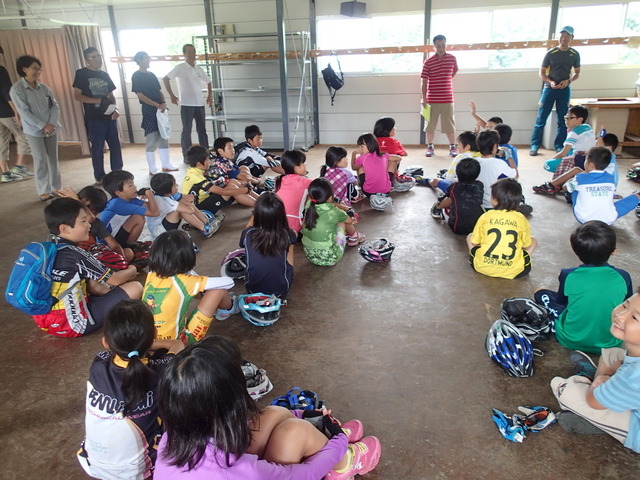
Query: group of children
x=146, y=326
x=594, y=309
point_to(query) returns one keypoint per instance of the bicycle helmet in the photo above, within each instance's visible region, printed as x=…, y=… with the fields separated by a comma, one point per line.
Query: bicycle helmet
x=355, y=193
x=260, y=309
x=216, y=176
x=234, y=264
x=527, y=316
x=634, y=174
x=377, y=251
x=414, y=171
x=380, y=201
x=402, y=183
x=258, y=384
x=510, y=349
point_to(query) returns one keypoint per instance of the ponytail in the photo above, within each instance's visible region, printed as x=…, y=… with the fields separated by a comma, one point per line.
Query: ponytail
x=320, y=190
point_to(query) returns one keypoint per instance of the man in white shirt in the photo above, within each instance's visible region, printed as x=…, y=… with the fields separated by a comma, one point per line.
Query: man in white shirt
x=190, y=78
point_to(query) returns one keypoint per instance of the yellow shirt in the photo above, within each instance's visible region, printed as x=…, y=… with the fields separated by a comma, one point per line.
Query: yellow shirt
x=501, y=235
x=169, y=300
x=193, y=181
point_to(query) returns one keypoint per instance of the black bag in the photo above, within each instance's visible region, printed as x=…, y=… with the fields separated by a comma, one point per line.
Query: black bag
x=334, y=83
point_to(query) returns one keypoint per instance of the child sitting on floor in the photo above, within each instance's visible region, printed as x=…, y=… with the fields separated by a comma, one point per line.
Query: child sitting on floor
x=84, y=288
x=341, y=178
x=492, y=168
x=224, y=155
x=122, y=424
x=175, y=207
x=463, y=199
x=592, y=192
x=124, y=215
x=323, y=233
x=609, y=398
x=466, y=145
x=211, y=188
x=506, y=150
x=172, y=284
x=268, y=241
x=215, y=430
x=587, y=294
x=292, y=187
x=375, y=169
x=580, y=140
x=250, y=154
x=501, y=244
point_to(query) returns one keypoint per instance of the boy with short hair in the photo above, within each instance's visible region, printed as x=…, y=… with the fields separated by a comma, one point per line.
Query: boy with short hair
x=84, y=288
x=492, y=168
x=224, y=159
x=587, y=294
x=211, y=188
x=506, y=150
x=580, y=140
x=174, y=207
x=464, y=198
x=250, y=154
x=124, y=215
x=608, y=399
x=592, y=192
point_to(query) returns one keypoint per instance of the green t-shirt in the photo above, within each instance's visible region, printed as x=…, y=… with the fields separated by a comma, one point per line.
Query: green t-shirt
x=324, y=233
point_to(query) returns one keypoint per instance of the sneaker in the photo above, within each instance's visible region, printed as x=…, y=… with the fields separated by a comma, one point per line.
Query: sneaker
x=354, y=430
x=13, y=175
x=574, y=423
x=547, y=188
x=453, y=151
x=356, y=239
x=6, y=177
x=533, y=152
x=22, y=171
x=209, y=230
x=567, y=197
x=430, y=150
x=222, y=315
x=442, y=173
x=525, y=209
x=365, y=457
x=436, y=212
x=582, y=364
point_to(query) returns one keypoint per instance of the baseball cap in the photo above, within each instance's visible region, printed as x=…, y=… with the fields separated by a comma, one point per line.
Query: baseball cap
x=567, y=29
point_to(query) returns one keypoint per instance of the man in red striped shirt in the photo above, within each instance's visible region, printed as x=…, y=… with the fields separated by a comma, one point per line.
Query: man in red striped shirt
x=437, y=90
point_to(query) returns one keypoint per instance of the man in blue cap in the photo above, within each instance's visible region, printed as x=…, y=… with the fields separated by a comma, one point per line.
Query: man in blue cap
x=556, y=73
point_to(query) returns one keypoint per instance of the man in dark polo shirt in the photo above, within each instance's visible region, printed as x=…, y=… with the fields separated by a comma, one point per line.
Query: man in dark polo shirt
x=556, y=73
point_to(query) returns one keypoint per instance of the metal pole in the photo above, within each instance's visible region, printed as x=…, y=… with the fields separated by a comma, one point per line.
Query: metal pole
x=123, y=83
x=314, y=72
x=553, y=21
x=284, y=94
x=427, y=36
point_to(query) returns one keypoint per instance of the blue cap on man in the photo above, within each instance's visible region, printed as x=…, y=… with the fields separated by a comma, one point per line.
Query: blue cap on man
x=567, y=29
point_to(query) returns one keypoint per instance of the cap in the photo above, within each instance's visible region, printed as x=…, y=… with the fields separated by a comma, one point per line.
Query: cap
x=567, y=29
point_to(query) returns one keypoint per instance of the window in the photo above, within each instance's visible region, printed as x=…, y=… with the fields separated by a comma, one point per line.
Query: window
x=154, y=41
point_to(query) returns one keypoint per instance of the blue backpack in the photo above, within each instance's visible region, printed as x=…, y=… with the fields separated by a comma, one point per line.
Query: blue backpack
x=298, y=399
x=29, y=285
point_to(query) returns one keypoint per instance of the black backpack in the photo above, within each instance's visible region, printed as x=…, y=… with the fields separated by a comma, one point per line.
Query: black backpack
x=333, y=81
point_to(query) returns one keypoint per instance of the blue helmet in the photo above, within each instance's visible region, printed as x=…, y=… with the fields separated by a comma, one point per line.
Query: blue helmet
x=510, y=349
x=260, y=309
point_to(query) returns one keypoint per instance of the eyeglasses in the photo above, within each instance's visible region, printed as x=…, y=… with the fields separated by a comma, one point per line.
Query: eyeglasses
x=94, y=56
x=568, y=117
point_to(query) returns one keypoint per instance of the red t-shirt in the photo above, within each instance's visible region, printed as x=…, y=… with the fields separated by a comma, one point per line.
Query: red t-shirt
x=391, y=146
x=439, y=72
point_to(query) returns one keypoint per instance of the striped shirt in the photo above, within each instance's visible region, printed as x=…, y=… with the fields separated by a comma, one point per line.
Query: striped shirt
x=439, y=72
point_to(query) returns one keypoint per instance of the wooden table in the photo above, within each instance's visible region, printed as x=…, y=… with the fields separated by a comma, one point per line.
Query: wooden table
x=619, y=115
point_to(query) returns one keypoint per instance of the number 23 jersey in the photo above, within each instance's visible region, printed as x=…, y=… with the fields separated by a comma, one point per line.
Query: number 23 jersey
x=501, y=236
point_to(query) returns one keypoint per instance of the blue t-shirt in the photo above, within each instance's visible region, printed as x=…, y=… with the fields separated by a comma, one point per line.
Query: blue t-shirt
x=270, y=275
x=622, y=392
x=118, y=210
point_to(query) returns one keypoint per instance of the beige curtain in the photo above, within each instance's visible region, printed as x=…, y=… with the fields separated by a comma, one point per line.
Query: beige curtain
x=60, y=51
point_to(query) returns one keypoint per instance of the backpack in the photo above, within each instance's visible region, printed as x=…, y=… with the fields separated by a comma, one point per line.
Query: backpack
x=298, y=399
x=334, y=83
x=29, y=285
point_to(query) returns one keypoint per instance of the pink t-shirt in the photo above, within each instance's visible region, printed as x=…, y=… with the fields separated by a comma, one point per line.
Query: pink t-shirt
x=376, y=173
x=293, y=193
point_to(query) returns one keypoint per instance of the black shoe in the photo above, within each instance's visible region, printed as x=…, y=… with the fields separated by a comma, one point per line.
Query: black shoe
x=525, y=209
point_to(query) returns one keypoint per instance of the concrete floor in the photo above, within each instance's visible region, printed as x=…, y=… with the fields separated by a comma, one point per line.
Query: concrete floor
x=399, y=346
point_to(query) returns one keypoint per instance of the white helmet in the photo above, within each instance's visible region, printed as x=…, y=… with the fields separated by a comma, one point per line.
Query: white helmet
x=380, y=201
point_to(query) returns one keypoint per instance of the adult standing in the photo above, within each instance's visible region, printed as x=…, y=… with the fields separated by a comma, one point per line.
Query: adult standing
x=190, y=78
x=146, y=86
x=556, y=74
x=94, y=88
x=10, y=124
x=40, y=116
x=437, y=90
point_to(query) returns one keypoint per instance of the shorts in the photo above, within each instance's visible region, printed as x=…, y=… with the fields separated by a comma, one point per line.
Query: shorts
x=447, y=122
x=100, y=305
x=549, y=300
x=214, y=202
x=164, y=226
x=122, y=237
